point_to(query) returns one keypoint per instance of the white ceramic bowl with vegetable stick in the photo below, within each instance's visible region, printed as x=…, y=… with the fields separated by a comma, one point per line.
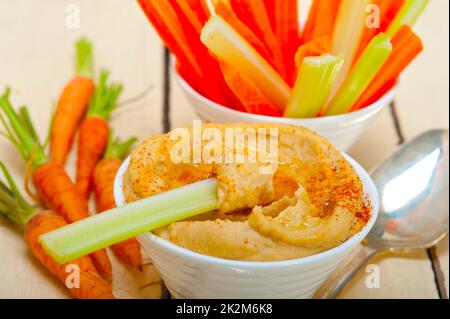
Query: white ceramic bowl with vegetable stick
x=188, y=274
x=341, y=130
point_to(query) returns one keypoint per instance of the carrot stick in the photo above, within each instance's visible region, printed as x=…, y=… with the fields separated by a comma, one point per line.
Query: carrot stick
x=176, y=28
x=224, y=10
x=316, y=47
x=173, y=37
x=72, y=104
x=388, y=9
x=229, y=46
x=321, y=19
x=254, y=14
x=248, y=93
x=270, y=8
x=406, y=47
x=51, y=180
x=94, y=131
x=104, y=175
x=287, y=32
x=195, y=11
x=14, y=207
x=213, y=83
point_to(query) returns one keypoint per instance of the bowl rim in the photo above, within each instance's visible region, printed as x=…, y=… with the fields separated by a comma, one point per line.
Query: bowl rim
x=374, y=107
x=370, y=191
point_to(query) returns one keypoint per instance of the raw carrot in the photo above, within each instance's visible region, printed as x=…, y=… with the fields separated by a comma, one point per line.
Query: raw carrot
x=270, y=7
x=224, y=10
x=248, y=93
x=173, y=37
x=72, y=104
x=53, y=184
x=104, y=175
x=195, y=11
x=14, y=207
x=287, y=32
x=321, y=19
x=213, y=83
x=406, y=47
x=316, y=47
x=388, y=9
x=254, y=14
x=228, y=45
x=94, y=131
x=176, y=28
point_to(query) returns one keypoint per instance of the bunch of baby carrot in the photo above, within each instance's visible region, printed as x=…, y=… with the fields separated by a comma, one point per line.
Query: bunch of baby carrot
x=252, y=56
x=84, y=106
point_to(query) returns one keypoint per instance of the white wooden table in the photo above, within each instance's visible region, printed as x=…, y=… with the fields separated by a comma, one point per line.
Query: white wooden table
x=36, y=59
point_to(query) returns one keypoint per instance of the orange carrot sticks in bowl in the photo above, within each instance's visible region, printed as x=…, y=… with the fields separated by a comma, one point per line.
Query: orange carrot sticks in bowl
x=195, y=10
x=15, y=208
x=406, y=47
x=94, y=131
x=287, y=32
x=50, y=179
x=178, y=30
x=388, y=9
x=316, y=47
x=248, y=93
x=104, y=175
x=321, y=19
x=224, y=10
x=72, y=104
x=254, y=13
x=228, y=45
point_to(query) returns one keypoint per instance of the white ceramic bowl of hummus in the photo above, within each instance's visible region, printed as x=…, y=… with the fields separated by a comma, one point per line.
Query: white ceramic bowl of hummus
x=188, y=274
x=341, y=130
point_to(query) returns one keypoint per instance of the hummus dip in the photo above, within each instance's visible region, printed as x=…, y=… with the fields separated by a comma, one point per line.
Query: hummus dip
x=303, y=200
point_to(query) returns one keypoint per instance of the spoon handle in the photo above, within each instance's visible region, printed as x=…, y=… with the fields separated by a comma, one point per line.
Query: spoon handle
x=344, y=272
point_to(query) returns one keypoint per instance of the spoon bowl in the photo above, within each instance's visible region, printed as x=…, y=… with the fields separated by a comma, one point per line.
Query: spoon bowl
x=413, y=187
x=414, y=199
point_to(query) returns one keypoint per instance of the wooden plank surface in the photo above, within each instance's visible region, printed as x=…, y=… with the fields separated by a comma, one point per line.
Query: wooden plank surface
x=36, y=63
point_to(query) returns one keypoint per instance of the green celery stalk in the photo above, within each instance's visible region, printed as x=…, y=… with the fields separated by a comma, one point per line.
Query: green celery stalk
x=368, y=65
x=408, y=14
x=108, y=228
x=313, y=85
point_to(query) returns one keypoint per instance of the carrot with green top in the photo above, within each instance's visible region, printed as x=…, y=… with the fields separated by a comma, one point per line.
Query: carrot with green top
x=16, y=209
x=94, y=132
x=72, y=104
x=104, y=175
x=53, y=184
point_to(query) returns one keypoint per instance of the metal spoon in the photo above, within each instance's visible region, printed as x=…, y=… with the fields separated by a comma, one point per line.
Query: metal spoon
x=414, y=199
